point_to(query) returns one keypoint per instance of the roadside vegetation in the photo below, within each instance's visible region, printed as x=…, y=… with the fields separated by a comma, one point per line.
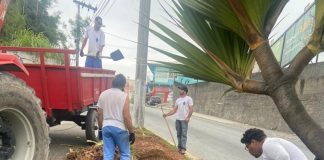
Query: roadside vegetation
x=29, y=24
x=146, y=147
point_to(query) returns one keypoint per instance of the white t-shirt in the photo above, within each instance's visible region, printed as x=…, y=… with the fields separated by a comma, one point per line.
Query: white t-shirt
x=183, y=104
x=96, y=39
x=280, y=149
x=112, y=103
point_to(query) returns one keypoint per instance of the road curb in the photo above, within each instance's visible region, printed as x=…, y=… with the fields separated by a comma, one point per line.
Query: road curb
x=192, y=157
x=225, y=121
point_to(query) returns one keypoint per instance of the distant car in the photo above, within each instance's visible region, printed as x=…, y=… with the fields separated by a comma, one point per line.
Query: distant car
x=154, y=100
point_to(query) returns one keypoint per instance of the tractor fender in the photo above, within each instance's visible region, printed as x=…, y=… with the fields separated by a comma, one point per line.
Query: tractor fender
x=10, y=62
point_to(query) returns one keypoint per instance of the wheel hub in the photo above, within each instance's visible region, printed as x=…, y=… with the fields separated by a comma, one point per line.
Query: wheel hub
x=7, y=141
x=17, y=139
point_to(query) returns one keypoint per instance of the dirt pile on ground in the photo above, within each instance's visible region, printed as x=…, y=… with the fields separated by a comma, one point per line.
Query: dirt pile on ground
x=146, y=147
x=151, y=147
x=88, y=153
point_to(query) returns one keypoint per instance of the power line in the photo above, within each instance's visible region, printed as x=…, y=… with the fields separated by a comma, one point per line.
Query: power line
x=88, y=11
x=98, y=3
x=121, y=37
x=121, y=46
x=104, y=5
x=109, y=8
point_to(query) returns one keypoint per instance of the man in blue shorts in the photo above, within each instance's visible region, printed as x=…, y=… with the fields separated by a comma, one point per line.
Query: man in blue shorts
x=96, y=39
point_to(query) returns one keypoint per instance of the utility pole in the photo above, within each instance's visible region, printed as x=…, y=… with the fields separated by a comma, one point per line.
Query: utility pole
x=141, y=62
x=77, y=41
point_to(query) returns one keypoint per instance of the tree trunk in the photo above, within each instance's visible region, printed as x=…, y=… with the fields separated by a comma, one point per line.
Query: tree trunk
x=281, y=88
x=299, y=121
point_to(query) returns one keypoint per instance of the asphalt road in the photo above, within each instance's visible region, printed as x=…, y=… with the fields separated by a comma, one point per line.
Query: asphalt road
x=63, y=137
x=211, y=138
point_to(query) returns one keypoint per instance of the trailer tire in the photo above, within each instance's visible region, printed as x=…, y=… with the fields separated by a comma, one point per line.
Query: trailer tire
x=91, y=127
x=22, y=120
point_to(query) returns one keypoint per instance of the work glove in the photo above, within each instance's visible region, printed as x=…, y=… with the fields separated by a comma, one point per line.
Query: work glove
x=131, y=138
x=81, y=53
x=100, y=134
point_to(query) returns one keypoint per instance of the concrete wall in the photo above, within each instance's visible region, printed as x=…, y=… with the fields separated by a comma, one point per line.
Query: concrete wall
x=260, y=110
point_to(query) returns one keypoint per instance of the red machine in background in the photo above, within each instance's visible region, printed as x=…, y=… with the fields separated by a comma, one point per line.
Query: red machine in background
x=161, y=92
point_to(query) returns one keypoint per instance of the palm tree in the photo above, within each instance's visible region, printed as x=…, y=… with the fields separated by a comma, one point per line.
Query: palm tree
x=229, y=36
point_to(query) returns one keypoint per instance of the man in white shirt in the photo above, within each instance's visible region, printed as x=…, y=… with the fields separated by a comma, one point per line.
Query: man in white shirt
x=115, y=120
x=96, y=39
x=183, y=109
x=258, y=144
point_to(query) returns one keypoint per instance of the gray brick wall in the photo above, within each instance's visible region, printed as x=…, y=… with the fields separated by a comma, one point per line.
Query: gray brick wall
x=260, y=110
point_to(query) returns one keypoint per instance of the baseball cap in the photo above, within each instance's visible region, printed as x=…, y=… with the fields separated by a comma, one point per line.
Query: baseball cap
x=184, y=88
x=99, y=21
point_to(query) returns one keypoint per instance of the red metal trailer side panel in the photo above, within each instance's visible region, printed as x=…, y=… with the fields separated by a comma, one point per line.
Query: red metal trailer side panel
x=91, y=85
x=63, y=87
x=93, y=82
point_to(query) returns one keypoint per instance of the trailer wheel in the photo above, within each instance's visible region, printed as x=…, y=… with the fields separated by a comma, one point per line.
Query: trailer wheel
x=24, y=133
x=92, y=126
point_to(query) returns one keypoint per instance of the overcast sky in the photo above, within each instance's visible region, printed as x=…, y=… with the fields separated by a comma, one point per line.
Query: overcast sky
x=121, y=20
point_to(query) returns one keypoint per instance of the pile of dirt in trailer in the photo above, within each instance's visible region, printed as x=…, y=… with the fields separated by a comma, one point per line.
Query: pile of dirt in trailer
x=146, y=147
